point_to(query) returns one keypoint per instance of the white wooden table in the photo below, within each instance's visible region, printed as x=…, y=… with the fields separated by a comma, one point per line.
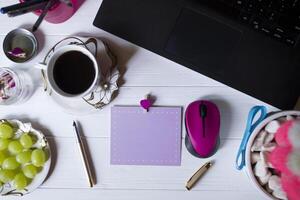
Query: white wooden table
x=146, y=72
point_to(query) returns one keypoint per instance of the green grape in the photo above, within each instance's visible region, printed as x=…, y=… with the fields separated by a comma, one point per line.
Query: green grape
x=20, y=181
x=10, y=163
x=2, y=157
x=26, y=141
x=4, y=143
x=15, y=147
x=1, y=184
x=24, y=157
x=6, y=130
x=6, y=175
x=38, y=157
x=29, y=171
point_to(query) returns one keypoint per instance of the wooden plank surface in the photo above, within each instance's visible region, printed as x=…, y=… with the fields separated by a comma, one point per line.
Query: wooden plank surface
x=171, y=83
x=95, y=194
x=44, y=112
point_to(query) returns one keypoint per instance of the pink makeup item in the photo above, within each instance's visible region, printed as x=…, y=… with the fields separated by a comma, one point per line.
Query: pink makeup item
x=202, y=120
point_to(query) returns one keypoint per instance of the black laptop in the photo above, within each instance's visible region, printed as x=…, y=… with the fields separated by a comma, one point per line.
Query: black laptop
x=250, y=45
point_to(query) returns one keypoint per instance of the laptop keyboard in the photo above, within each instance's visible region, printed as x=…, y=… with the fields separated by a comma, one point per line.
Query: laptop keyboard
x=279, y=19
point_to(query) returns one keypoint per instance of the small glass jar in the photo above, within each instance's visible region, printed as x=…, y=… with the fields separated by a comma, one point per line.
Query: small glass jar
x=15, y=87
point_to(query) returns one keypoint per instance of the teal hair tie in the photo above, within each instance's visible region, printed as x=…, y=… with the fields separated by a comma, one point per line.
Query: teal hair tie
x=251, y=125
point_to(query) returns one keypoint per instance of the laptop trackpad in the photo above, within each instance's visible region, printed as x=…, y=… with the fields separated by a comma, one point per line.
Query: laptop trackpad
x=203, y=41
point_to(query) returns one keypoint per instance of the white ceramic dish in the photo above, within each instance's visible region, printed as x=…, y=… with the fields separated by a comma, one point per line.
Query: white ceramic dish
x=103, y=93
x=250, y=142
x=8, y=189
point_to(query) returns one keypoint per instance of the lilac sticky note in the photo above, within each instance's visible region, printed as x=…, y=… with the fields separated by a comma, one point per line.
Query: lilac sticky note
x=145, y=138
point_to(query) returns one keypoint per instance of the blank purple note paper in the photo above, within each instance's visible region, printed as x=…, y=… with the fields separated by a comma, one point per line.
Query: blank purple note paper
x=145, y=138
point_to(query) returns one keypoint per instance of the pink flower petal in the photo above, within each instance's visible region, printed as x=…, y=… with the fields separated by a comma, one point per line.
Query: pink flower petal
x=281, y=136
x=291, y=185
x=279, y=157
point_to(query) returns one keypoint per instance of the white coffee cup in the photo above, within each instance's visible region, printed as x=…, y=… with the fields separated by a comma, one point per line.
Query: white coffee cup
x=50, y=66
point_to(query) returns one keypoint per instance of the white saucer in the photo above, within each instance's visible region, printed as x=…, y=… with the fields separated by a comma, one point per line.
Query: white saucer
x=108, y=83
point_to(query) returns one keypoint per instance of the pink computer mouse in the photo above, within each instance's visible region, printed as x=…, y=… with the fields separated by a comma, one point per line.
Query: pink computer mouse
x=202, y=120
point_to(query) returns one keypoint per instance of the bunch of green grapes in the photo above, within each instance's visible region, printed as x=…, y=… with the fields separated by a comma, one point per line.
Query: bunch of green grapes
x=19, y=160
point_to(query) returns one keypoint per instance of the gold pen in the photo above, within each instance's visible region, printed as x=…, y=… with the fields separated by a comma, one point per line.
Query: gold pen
x=193, y=180
x=84, y=156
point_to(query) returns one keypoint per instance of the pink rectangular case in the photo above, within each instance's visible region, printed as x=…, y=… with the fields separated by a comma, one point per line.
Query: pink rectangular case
x=60, y=12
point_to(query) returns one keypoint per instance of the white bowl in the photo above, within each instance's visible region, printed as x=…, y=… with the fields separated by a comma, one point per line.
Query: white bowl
x=250, y=142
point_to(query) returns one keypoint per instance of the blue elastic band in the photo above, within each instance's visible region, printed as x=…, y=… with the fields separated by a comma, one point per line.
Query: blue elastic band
x=240, y=158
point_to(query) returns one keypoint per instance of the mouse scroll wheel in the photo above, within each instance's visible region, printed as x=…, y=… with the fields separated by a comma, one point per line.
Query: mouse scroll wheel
x=203, y=110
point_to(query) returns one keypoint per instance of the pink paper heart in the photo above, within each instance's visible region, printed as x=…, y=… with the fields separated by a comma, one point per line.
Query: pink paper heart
x=145, y=103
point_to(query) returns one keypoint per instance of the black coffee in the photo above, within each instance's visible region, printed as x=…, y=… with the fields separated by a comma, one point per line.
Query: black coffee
x=74, y=72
